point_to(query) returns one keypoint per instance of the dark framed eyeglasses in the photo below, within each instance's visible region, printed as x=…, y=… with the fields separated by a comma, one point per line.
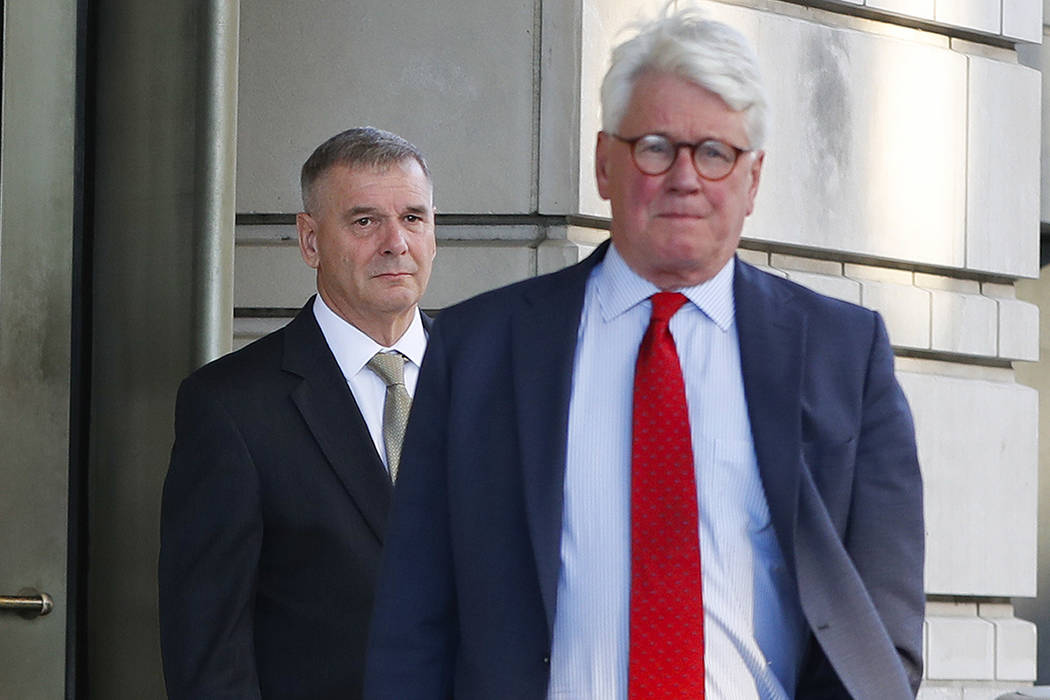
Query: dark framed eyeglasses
x=654, y=154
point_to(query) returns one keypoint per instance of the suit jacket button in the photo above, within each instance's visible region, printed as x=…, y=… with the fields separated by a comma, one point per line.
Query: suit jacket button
x=546, y=660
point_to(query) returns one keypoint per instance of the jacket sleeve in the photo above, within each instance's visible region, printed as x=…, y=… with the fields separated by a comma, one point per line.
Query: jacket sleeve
x=885, y=535
x=414, y=632
x=860, y=554
x=211, y=534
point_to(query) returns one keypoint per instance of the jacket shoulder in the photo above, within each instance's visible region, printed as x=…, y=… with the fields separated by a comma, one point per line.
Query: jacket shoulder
x=560, y=286
x=809, y=302
x=243, y=367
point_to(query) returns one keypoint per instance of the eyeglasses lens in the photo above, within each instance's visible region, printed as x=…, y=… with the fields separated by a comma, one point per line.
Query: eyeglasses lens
x=654, y=154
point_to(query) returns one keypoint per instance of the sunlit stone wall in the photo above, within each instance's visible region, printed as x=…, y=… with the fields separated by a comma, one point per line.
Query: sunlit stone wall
x=902, y=173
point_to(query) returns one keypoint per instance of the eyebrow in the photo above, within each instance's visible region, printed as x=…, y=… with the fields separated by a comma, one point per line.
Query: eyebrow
x=358, y=211
x=412, y=208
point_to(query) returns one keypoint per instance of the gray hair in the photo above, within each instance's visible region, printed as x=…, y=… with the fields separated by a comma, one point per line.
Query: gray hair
x=361, y=146
x=705, y=52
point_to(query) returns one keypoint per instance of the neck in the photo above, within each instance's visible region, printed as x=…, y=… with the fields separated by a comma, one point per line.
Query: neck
x=385, y=328
x=386, y=331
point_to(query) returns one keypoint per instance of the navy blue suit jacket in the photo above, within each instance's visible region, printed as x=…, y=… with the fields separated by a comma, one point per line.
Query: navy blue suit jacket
x=469, y=579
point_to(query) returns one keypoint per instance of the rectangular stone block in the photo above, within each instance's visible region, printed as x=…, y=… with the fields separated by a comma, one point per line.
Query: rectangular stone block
x=998, y=291
x=563, y=148
x=271, y=276
x=1044, y=65
x=906, y=310
x=978, y=15
x=977, y=444
x=519, y=233
x=1023, y=19
x=980, y=692
x=456, y=79
x=1002, y=225
x=990, y=611
x=960, y=648
x=248, y=330
x=255, y=234
x=462, y=271
x=879, y=274
x=833, y=286
x=789, y=263
x=939, y=608
x=1018, y=330
x=963, y=323
x=949, y=284
x=1015, y=657
x=832, y=177
x=758, y=258
x=911, y=8
x=554, y=255
x=927, y=692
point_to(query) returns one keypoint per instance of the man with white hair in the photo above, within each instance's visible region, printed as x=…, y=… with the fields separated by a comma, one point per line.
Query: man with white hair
x=659, y=473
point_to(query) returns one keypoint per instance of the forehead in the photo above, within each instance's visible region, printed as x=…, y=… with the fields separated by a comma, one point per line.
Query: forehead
x=400, y=183
x=665, y=103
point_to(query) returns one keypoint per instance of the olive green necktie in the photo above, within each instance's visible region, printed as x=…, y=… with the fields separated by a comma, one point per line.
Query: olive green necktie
x=390, y=366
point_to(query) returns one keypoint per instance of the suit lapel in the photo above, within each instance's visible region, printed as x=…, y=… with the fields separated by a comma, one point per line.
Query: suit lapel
x=328, y=407
x=543, y=344
x=772, y=338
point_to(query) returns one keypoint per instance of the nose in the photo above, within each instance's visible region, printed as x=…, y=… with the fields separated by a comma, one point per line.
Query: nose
x=394, y=241
x=683, y=176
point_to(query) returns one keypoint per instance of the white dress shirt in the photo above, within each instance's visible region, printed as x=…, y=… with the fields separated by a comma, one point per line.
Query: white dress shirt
x=353, y=349
x=754, y=631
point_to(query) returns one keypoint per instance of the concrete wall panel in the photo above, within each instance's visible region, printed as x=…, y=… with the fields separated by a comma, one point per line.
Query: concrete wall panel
x=559, y=128
x=271, y=276
x=845, y=159
x=962, y=647
x=1023, y=19
x=456, y=79
x=979, y=15
x=977, y=446
x=923, y=9
x=1044, y=160
x=1002, y=229
x=462, y=271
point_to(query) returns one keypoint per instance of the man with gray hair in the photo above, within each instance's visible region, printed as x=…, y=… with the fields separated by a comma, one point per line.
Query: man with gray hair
x=662, y=472
x=276, y=499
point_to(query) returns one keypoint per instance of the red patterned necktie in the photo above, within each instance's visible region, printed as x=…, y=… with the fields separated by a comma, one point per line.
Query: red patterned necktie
x=667, y=617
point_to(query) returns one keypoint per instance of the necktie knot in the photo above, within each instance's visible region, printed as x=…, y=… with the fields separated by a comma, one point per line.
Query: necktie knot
x=665, y=305
x=390, y=366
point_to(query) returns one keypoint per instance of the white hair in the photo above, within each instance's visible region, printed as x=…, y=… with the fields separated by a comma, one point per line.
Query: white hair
x=705, y=52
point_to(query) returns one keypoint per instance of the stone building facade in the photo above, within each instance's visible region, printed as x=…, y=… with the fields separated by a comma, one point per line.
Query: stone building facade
x=902, y=173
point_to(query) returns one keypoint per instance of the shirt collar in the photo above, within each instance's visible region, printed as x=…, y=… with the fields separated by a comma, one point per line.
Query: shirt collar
x=353, y=348
x=620, y=288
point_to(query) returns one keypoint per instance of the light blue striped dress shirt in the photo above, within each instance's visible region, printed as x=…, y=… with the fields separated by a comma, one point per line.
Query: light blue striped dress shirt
x=753, y=627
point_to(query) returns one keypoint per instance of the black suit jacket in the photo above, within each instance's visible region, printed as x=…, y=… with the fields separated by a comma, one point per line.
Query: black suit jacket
x=468, y=590
x=271, y=526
